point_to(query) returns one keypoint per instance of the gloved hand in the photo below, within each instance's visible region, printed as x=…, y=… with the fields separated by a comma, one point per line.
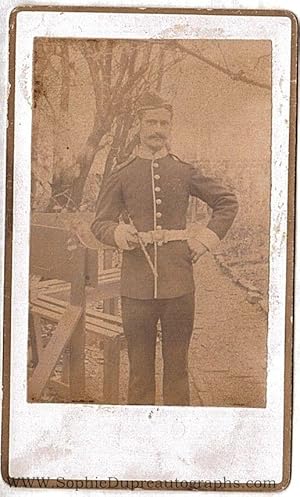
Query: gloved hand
x=126, y=237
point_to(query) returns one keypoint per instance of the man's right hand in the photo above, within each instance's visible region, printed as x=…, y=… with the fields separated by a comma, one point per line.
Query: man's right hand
x=126, y=237
x=131, y=236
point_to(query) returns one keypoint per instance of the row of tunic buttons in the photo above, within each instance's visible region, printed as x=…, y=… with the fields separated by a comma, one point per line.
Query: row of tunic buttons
x=158, y=200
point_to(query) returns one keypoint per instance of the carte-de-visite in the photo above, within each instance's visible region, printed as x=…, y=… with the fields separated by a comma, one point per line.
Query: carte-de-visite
x=152, y=170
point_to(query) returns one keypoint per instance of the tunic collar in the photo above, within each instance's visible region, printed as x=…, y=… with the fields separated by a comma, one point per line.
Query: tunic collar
x=144, y=153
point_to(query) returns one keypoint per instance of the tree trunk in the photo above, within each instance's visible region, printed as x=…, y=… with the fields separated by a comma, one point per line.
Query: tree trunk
x=63, y=151
x=84, y=164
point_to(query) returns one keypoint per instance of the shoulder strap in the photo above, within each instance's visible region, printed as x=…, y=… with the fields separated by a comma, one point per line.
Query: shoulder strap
x=175, y=157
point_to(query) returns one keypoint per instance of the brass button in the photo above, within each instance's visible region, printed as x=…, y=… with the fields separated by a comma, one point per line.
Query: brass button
x=157, y=189
x=158, y=214
x=156, y=176
x=155, y=164
x=160, y=244
x=158, y=227
x=158, y=201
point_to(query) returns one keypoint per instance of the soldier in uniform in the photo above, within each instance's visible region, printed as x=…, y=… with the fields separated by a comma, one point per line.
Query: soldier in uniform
x=151, y=190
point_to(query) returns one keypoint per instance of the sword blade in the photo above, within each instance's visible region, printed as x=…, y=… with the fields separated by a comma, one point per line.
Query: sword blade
x=143, y=247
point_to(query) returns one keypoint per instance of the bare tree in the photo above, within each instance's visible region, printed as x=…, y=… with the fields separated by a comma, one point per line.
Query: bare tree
x=118, y=73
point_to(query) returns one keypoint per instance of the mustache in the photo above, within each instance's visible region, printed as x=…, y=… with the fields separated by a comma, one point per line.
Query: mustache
x=157, y=135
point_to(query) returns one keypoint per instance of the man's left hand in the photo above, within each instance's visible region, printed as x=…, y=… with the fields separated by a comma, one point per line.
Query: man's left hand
x=197, y=249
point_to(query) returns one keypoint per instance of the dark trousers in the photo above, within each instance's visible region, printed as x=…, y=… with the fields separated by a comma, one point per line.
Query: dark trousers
x=140, y=318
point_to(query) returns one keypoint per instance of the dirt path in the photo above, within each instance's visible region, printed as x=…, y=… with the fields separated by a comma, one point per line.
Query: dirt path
x=228, y=349
x=227, y=359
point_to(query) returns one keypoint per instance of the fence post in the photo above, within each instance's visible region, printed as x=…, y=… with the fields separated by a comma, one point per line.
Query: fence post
x=109, y=305
x=77, y=342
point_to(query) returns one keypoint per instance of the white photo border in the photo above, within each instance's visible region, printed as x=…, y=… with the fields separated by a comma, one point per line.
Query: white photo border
x=98, y=442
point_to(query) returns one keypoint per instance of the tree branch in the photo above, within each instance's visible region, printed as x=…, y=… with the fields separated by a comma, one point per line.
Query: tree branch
x=260, y=58
x=107, y=70
x=235, y=76
x=122, y=70
x=139, y=73
x=94, y=67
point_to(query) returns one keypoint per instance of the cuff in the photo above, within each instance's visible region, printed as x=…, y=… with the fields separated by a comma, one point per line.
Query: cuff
x=120, y=236
x=202, y=234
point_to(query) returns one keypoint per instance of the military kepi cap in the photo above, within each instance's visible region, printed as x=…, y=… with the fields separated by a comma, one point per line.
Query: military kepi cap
x=151, y=101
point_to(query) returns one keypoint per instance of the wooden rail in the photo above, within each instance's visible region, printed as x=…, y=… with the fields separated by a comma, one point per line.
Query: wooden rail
x=72, y=271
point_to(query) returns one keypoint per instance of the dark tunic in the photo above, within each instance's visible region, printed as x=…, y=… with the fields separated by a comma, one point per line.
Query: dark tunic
x=155, y=193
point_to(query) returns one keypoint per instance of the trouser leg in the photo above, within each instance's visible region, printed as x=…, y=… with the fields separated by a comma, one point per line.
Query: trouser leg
x=140, y=319
x=177, y=320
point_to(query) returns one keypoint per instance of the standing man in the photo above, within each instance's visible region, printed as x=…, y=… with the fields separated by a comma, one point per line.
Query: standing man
x=151, y=190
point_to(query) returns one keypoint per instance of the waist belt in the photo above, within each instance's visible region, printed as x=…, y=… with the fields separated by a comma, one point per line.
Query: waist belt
x=163, y=236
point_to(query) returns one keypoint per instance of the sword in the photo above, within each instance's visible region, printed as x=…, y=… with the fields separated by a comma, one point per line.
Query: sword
x=143, y=247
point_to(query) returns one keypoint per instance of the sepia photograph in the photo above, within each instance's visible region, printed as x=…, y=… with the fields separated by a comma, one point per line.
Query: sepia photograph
x=149, y=247
x=150, y=206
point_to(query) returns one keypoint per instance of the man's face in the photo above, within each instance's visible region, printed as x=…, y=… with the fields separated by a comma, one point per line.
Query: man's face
x=155, y=128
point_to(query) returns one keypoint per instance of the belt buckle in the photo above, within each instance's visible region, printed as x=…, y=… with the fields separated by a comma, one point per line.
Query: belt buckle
x=158, y=236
